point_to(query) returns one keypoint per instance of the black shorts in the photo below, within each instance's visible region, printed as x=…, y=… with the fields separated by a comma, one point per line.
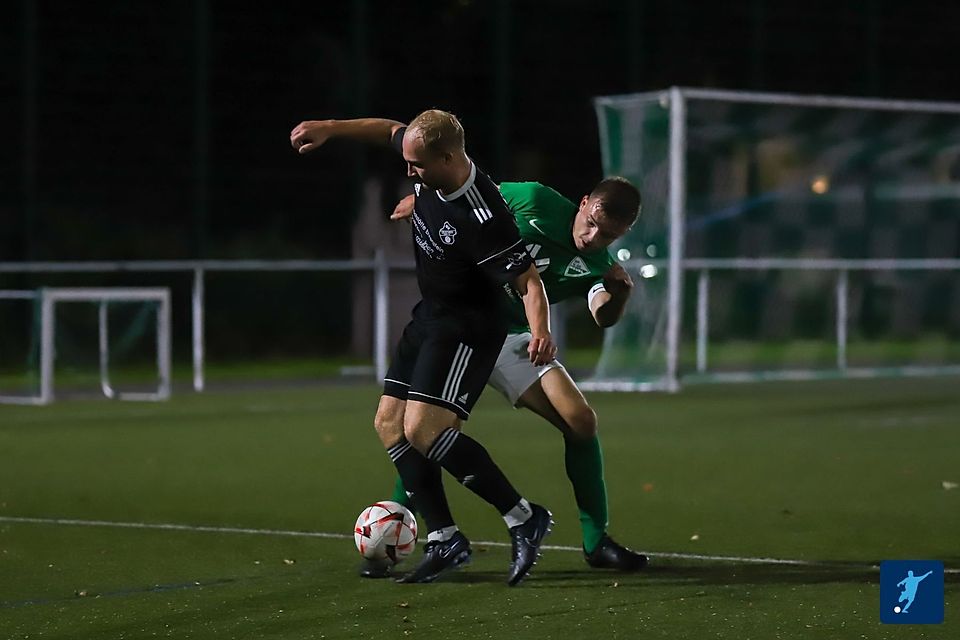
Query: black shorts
x=443, y=363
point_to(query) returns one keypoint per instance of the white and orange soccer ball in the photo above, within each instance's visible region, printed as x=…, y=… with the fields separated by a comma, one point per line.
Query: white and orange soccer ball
x=386, y=530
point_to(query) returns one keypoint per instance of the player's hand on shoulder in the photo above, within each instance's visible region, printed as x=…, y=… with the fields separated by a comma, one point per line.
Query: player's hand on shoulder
x=542, y=349
x=310, y=134
x=617, y=281
x=404, y=209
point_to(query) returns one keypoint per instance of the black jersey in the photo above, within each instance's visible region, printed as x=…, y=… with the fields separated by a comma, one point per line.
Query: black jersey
x=468, y=249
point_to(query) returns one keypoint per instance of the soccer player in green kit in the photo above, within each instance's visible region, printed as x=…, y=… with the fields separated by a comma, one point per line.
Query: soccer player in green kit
x=568, y=243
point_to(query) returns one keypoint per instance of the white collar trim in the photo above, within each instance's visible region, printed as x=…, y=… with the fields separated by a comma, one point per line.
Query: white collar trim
x=462, y=190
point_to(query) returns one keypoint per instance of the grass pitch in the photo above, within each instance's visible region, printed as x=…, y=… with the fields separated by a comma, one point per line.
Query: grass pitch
x=715, y=483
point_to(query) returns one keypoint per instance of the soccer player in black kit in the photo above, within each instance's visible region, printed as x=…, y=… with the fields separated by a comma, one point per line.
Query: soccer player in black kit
x=469, y=255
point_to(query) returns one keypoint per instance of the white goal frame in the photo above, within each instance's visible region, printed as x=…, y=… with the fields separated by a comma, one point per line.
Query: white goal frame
x=675, y=99
x=50, y=297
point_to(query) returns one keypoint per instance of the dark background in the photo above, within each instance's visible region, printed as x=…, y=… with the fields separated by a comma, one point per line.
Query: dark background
x=159, y=130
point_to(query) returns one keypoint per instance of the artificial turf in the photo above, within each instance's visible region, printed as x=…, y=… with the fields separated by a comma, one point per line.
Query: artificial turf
x=837, y=475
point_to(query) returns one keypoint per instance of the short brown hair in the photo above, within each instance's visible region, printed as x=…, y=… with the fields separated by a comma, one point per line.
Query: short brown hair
x=440, y=131
x=619, y=199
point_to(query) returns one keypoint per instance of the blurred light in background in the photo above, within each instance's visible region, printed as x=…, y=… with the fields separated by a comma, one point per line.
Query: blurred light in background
x=820, y=185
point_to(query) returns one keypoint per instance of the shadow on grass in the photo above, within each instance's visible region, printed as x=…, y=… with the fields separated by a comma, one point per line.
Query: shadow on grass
x=715, y=575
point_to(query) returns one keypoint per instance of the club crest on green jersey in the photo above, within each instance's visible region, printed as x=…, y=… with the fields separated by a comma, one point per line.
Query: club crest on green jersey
x=577, y=268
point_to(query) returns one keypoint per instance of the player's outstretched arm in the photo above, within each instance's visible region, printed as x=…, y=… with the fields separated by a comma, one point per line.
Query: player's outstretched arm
x=607, y=306
x=310, y=134
x=541, y=348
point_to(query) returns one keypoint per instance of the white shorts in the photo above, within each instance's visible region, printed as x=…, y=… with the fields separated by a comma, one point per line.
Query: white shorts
x=514, y=373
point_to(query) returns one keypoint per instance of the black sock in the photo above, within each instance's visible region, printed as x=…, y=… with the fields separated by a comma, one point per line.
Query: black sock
x=469, y=462
x=422, y=478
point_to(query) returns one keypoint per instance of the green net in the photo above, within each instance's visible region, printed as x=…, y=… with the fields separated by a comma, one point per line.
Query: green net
x=130, y=346
x=635, y=144
x=808, y=183
x=19, y=344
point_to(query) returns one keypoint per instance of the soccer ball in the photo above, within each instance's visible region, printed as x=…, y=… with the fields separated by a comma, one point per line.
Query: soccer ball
x=385, y=531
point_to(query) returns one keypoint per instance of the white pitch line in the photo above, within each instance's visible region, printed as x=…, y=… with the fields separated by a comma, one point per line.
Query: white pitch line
x=163, y=526
x=172, y=527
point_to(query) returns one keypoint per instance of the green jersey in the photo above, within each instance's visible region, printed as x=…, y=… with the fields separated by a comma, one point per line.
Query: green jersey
x=545, y=220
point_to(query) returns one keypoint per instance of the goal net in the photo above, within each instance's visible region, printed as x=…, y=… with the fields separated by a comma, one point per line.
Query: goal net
x=112, y=341
x=784, y=237
x=19, y=346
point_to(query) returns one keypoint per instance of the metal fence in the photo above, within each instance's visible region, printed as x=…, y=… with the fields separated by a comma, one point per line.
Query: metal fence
x=378, y=267
x=381, y=270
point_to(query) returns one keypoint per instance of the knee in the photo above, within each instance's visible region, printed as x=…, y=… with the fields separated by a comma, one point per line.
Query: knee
x=583, y=423
x=422, y=429
x=413, y=432
x=389, y=428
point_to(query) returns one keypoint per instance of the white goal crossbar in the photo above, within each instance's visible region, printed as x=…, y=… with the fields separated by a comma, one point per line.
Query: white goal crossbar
x=50, y=297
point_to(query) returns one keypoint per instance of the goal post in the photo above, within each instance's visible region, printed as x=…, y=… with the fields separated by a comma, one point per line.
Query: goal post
x=21, y=383
x=783, y=237
x=48, y=299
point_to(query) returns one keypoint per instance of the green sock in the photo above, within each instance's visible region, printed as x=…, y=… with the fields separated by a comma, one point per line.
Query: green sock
x=584, y=461
x=400, y=494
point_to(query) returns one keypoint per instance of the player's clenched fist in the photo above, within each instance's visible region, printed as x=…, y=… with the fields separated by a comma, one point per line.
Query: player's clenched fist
x=617, y=281
x=310, y=134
